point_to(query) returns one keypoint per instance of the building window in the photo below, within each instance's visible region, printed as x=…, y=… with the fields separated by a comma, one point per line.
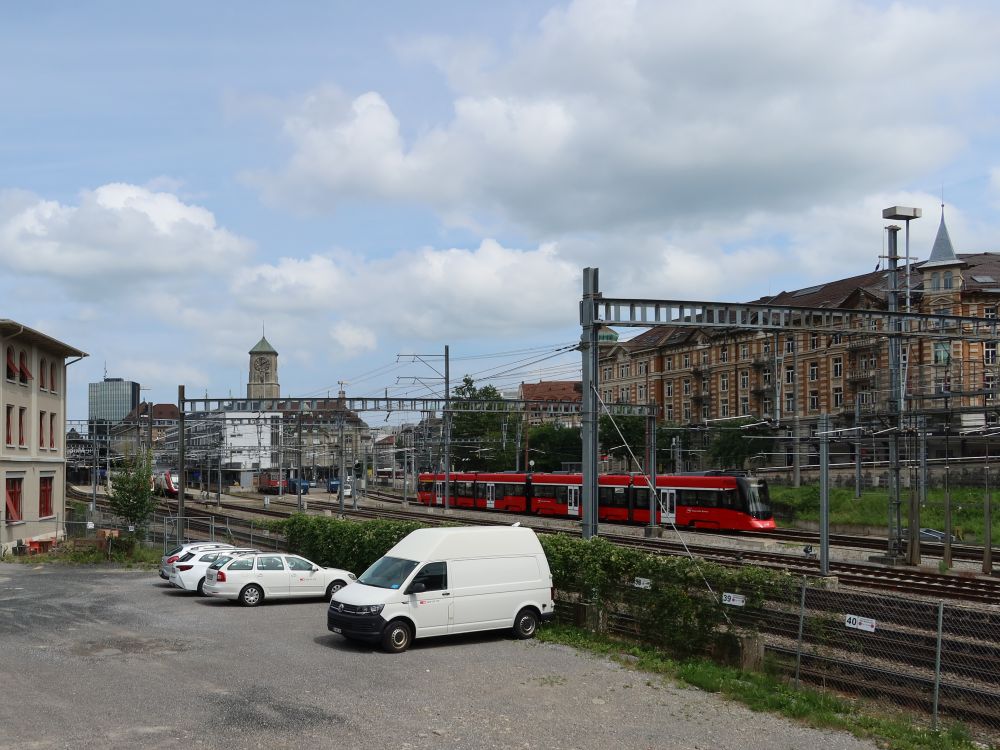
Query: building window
x=790, y=345
x=935, y=280
x=744, y=351
x=724, y=407
x=990, y=354
x=640, y=368
x=789, y=376
x=11, y=364
x=704, y=356
x=668, y=412
x=52, y=431
x=724, y=382
x=789, y=403
x=686, y=362
x=990, y=385
x=836, y=339
x=606, y=374
x=45, y=497
x=767, y=405
x=814, y=371
x=942, y=353
x=838, y=367
x=21, y=414
x=766, y=377
x=41, y=429
x=744, y=406
x=724, y=354
x=25, y=373
x=668, y=388
x=705, y=411
x=686, y=387
x=9, y=432
x=641, y=394
x=14, y=500
x=623, y=370
x=43, y=374
x=686, y=411
x=813, y=400
x=623, y=395
x=766, y=348
x=989, y=312
x=52, y=377
x=838, y=397
x=744, y=379
x=668, y=363
x=947, y=280
x=814, y=341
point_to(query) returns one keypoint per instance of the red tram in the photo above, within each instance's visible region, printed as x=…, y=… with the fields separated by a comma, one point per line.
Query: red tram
x=704, y=501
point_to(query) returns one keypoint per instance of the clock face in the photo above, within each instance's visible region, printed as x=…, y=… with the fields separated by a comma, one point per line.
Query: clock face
x=261, y=365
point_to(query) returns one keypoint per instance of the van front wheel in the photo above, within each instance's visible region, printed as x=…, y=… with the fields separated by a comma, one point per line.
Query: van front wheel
x=525, y=624
x=396, y=637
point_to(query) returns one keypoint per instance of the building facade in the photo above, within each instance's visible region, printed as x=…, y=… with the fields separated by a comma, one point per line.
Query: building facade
x=699, y=376
x=32, y=454
x=111, y=400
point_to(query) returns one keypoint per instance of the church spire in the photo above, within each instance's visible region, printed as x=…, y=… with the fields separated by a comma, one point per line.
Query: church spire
x=942, y=253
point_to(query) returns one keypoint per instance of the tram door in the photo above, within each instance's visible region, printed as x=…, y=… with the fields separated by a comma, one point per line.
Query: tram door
x=491, y=496
x=439, y=493
x=668, y=506
x=573, y=502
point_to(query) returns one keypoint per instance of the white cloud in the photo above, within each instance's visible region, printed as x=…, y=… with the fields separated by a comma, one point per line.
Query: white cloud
x=116, y=237
x=618, y=115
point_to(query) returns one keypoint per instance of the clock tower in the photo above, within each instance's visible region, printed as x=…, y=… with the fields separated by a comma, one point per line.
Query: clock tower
x=263, y=380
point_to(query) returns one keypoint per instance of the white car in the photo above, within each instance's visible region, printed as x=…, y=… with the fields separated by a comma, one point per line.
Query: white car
x=187, y=572
x=252, y=578
x=171, y=557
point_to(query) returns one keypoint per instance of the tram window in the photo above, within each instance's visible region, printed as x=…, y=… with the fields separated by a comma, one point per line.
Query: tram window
x=546, y=491
x=560, y=493
x=612, y=497
x=728, y=499
x=481, y=490
x=641, y=497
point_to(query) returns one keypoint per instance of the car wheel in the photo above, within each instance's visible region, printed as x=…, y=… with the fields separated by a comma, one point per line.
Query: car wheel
x=525, y=624
x=333, y=588
x=251, y=596
x=396, y=637
x=201, y=587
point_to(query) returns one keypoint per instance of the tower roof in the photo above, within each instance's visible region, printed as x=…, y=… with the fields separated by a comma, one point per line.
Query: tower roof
x=263, y=347
x=942, y=253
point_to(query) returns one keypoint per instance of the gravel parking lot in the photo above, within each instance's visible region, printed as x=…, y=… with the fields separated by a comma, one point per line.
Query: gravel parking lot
x=107, y=657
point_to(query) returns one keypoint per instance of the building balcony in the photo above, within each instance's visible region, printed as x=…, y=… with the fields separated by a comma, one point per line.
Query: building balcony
x=860, y=375
x=857, y=343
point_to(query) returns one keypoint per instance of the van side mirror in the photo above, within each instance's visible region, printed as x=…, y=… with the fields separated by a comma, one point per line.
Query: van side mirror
x=417, y=588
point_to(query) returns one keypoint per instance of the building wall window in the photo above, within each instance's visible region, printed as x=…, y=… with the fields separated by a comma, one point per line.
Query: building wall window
x=45, y=497
x=22, y=436
x=13, y=499
x=606, y=373
x=948, y=280
x=668, y=412
x=814, y=341
x=640, y=368
x=724, y=354
x=814, y=371
x=744, y=379
x=990, y=312
x=766, y=377
x=942, y=353
x=766, y=348
x=838, y=397
x=935, y=280
x=704, y=356
x=789, y=375
x=724, y=407
x=790, y=345
x=668, y=388
x=53, y=381
x=724, y=382
x=25, y=373
x=790, y=403
x=641, y=394
x=744, y=405
x=704, y=411
x=41, y=429
x=744, y=351
x=990, y=354
x=9, y=431
x=768, y=406
x=53, y=425
x=43, y=375
x=623, y=370
x=990, y=385
x=686, y=360
x=686, y=387
x=838, y=367
x=686, y=411
x=623, y=395
x=668, y=363
x=11, y=364
x=813, y=400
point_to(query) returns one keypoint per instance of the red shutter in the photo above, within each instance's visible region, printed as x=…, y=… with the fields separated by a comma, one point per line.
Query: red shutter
x=25, y=372
x=11, y=364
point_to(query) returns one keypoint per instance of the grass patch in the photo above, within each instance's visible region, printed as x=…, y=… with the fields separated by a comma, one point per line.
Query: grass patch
x=139, y=557
x=761, y=692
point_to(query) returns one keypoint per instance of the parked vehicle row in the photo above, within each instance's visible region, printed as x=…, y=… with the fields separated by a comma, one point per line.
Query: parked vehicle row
x=433, y=582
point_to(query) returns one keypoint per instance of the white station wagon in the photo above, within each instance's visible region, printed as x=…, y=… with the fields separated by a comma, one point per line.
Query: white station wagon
x=271, y=575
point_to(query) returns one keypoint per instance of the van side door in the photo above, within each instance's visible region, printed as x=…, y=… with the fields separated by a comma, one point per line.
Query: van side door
x=431, y=607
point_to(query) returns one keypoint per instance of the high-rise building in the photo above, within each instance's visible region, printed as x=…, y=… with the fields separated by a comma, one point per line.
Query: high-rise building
x=111, y=400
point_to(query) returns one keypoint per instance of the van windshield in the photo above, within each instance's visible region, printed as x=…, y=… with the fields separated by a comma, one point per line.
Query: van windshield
x=388, y=573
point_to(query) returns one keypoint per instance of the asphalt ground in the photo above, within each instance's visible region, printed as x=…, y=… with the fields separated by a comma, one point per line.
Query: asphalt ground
x=115, y=658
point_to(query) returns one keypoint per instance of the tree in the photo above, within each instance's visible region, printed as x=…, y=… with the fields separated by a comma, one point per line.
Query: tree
x=551, y=445
x=131, y=496
x=633, y=430
x=734, y=442
x=481, y=440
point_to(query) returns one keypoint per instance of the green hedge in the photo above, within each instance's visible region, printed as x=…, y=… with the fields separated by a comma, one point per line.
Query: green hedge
x=676, y=612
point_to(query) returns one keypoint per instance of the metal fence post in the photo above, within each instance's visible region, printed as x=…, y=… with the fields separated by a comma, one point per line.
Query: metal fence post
x=211, y=527
x=937, y=662
x=798, y=644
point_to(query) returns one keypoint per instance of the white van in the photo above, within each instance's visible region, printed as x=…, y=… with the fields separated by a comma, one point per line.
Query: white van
x=448, y=580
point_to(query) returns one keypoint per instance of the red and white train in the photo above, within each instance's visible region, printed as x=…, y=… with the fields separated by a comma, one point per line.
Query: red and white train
x=711, y=500
x=165, y=482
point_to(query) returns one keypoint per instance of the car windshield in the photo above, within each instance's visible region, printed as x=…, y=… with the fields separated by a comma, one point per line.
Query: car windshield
x=388, y=573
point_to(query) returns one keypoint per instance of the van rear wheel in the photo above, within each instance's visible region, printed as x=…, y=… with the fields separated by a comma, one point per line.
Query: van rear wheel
x=396, y=637
x=525, y=624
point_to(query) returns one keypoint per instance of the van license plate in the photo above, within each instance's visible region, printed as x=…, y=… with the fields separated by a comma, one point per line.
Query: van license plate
x=337, y=630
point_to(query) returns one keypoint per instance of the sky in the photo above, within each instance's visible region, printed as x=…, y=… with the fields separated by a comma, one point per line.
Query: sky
x=366, y=182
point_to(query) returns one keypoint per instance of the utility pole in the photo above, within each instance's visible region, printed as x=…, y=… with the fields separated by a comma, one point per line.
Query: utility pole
x=895, y=404
x=181, y=460
x=588, y=432
x=340, y=433
x=298, y=479
x=447, y=431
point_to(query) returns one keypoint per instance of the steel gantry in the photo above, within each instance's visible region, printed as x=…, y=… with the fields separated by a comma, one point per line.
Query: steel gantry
x=596, y=310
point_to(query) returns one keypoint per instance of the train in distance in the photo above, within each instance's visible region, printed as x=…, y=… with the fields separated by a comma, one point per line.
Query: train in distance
x=707, y=500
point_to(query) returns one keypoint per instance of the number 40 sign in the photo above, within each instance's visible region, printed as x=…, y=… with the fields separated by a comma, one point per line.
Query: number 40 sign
x=860, y=623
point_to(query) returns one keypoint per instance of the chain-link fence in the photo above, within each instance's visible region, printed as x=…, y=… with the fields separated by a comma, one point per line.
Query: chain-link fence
x=931, y=658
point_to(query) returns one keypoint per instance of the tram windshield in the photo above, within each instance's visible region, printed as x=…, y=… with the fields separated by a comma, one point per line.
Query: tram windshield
x=758, y=498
